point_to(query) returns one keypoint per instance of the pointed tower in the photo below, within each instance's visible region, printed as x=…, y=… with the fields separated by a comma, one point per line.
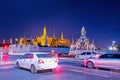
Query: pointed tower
x=72, y=41
x=92, y=41
x=10, y=40
x=43, y=39
x=62, y=35
x=54, y=36
x=44, y=31
x=4, y=41
x=83, y=31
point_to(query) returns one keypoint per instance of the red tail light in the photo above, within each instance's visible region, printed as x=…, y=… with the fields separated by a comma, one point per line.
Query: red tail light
x=40, y=61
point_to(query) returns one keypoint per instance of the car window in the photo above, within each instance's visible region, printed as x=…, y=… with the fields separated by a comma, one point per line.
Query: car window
x=27, y=56
x=43, y=55
x=94, y=53
x=107, y=56
x=24, y=56
x=88, y=53
x=83, y=53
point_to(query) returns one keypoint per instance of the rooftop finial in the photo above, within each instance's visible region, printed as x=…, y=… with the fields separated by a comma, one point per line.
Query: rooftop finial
x=83, y=31
x=44, y=31
x=54, y=33
x=62, y=35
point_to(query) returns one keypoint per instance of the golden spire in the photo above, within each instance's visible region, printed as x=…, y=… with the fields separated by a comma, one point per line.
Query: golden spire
x=44, y=31
x=62, y=36
x=83, y=31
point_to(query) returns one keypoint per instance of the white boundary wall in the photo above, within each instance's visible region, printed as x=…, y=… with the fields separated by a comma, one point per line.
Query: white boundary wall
x=20, y=50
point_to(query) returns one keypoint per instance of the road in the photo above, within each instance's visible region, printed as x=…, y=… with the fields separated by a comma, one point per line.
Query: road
x=69, y=69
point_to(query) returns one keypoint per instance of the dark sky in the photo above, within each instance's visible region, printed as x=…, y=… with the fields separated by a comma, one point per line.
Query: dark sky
x=101, y=18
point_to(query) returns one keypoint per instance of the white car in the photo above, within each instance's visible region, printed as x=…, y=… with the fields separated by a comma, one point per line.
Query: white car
x=109, y=60
x=86, y=55
x=37, y=61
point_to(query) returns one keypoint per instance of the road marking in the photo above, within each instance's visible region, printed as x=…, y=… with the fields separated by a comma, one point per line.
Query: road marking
x=89, y=73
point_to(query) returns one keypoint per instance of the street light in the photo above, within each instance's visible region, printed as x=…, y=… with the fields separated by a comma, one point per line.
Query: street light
x=110, y=48
x=113, y=42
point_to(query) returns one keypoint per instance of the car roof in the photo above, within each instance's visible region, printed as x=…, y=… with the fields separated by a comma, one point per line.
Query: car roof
x=89, y=52
x=111, y=53
x=39, y=52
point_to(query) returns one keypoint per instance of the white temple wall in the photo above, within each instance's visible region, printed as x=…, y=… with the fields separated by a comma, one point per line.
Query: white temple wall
x=20, y=50
x=2, y=50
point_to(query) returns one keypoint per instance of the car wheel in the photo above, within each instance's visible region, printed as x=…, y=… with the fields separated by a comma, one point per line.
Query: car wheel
x=17, y=65
x=90, y=65
x=33, y=69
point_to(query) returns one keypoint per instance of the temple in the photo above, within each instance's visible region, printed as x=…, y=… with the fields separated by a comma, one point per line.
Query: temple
x=44, y=40
x=82, y=44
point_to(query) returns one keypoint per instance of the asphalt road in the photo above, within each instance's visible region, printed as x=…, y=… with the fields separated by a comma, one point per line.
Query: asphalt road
x=69, y=69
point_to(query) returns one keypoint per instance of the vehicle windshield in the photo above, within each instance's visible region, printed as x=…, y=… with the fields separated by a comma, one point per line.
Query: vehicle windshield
x=43, y=55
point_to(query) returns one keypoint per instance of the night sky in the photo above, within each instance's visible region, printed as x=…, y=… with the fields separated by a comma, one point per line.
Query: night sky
x=101, y=18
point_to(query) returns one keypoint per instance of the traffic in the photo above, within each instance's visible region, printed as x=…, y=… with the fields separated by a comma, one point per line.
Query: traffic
x=48, y=63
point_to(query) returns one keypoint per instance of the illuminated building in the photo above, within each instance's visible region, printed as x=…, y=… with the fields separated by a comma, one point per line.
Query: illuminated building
x=44, y=40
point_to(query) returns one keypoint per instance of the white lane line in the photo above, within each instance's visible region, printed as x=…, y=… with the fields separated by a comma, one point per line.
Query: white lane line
x=6, y=67
x=89, y=73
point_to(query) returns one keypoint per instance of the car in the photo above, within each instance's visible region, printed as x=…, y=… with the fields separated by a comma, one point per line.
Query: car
x=85, y=55
x=35, y=61
x=108, y=61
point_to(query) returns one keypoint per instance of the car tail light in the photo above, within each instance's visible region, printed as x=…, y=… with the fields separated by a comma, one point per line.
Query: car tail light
x=40, y=61
x=85, y=61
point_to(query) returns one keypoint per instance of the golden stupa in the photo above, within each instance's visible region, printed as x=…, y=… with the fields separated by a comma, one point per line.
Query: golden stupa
x=44, y=40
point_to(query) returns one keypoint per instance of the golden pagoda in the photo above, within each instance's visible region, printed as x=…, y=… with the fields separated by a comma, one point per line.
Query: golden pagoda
x=44, y=40
x=23, y=41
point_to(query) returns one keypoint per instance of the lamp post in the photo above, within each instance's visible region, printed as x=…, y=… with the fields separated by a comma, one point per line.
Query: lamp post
x=16, y=40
